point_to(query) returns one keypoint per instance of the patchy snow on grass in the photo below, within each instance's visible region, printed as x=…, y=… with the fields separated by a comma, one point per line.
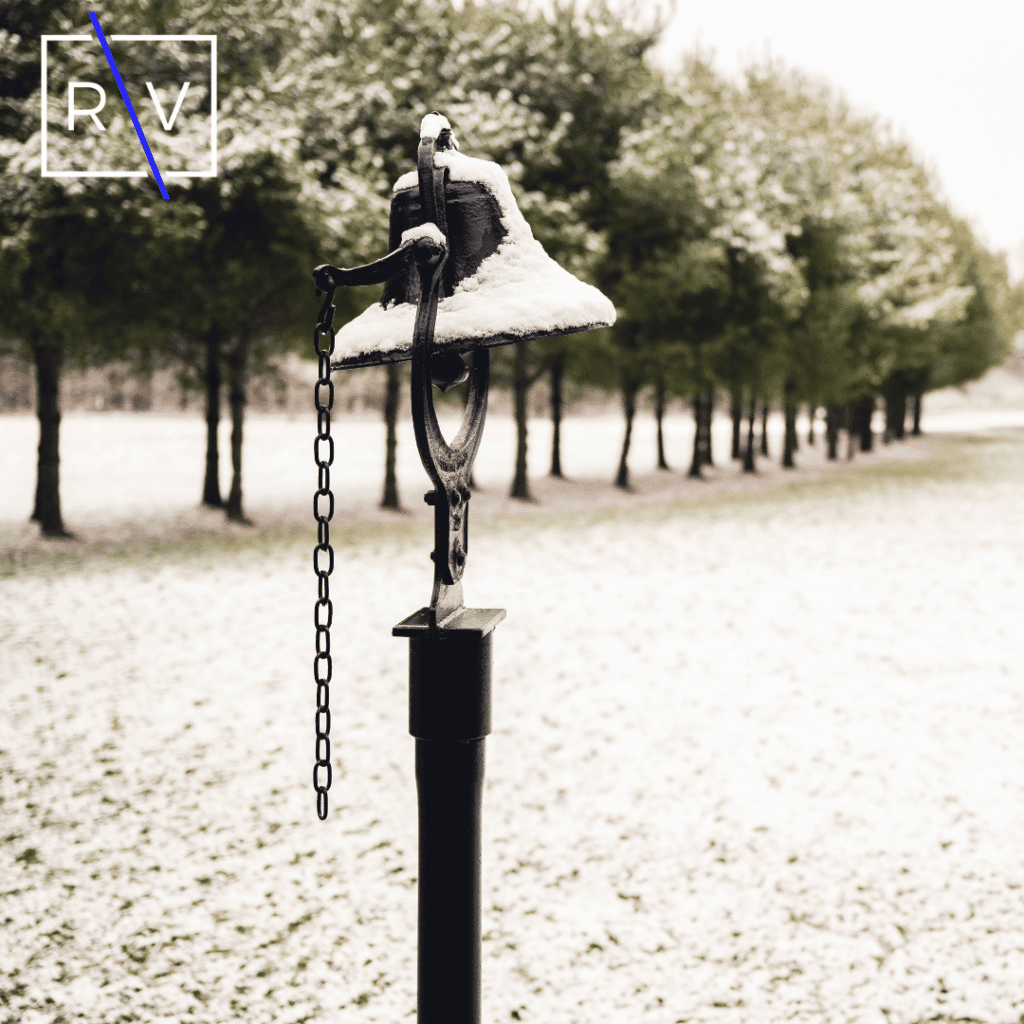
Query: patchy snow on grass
x=754, y=760
x=128, y=477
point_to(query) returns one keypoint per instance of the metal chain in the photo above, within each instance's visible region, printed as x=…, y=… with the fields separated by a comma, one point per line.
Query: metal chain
x=323, y=610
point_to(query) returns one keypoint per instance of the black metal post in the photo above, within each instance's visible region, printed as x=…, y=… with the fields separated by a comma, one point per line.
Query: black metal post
x=449, y=715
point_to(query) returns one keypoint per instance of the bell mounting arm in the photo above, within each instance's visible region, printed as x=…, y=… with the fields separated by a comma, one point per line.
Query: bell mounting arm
x=449, y=466
x=419, y=250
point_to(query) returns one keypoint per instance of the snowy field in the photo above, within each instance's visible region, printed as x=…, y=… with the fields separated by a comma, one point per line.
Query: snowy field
x=132, y=478
x=758, y=751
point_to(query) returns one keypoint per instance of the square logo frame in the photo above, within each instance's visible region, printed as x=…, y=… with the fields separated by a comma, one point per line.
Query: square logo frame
x=44, y=104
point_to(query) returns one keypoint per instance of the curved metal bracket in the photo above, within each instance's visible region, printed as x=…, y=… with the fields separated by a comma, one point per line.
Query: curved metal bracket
x=419, y=251
x=449, y=466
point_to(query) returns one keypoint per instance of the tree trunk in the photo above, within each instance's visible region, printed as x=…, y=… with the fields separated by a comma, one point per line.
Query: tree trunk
x=832, y=431
x=48, y=359
x=659, y=415
x=789, y=442
x=736, y=411
x=392, y=389
x=765, y=409
x=471, y=482
x=557, y=374
x=238, y=365
x=850, y=422
x=698, y=439
x=629, y=390
x=896, y=392
x=749, y=463
x=865, y=410
x=918, y=402
x=900, y=416
x=812, y=411
x=211, y=482
x=709, y=412
x=521, y=389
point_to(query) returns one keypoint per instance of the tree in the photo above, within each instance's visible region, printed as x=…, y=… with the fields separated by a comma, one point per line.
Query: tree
x=79, y=255
x=582, y=73
x=53, y=258
x=70, y=291
x=817, y=349
x=129, y=269
x=245, y=272
x=580, y=82
x=664, y=269
x=392, y=390
x=881, y=280
x=545, y=94
x=234, y=285
x=964, y=348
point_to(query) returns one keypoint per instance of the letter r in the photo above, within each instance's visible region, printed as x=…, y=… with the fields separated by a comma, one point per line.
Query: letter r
x=73, y=112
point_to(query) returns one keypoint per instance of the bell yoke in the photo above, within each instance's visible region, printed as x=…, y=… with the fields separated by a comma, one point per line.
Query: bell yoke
x=465, y=273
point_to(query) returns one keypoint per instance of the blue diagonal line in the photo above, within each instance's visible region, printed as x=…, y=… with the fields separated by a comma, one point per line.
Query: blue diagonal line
x=128, y=103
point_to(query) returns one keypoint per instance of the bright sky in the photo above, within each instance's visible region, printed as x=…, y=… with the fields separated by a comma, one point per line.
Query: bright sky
x=948, y=76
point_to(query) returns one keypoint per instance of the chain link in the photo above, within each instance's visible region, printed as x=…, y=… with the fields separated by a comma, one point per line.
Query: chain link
x=323, y=610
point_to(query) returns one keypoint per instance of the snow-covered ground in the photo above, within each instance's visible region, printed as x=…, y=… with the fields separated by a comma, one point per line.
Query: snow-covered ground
x=758, y=751
x=130, y=477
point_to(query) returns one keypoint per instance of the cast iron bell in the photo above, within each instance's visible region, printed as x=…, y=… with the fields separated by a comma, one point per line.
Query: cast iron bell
x=498, y=285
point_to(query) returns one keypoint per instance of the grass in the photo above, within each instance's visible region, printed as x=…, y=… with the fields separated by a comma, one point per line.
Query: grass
x=945, y=460
x=723, y=740
x=948, y=459
x=62, y=558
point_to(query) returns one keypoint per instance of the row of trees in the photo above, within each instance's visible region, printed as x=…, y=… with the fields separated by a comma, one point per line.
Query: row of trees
x=758, y=238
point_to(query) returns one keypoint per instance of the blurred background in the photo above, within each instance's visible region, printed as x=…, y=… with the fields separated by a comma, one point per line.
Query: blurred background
x=814, y=216
x=759, y=723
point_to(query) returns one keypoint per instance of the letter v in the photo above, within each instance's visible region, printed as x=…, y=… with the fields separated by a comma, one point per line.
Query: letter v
x=168, y=124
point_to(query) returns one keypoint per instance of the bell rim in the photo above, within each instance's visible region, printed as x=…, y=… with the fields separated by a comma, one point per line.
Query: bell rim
x=461, y=346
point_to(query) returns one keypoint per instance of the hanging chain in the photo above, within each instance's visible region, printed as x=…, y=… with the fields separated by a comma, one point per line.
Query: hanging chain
x=323, y=610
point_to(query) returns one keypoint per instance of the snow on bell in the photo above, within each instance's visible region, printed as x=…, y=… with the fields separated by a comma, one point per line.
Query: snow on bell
x=499, y=286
